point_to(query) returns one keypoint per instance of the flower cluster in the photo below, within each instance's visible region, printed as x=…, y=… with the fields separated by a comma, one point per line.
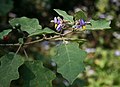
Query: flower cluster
x=80, y=24
x=59, y=24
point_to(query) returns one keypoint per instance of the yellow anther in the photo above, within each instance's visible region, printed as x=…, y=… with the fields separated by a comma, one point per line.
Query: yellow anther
x=84, y=27
x=56, y=25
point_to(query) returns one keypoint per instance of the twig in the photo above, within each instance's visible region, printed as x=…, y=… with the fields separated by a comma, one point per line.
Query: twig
x=36, y=41
x=18, y=49
x=70, y=39
x=10, y=44
x=25, y=53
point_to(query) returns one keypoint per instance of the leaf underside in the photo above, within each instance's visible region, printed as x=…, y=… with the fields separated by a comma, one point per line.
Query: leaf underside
x=64, y=15
x=69, y=59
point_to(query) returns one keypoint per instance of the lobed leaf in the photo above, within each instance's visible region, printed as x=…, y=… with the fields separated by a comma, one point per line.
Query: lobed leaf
x=98, y=25
x=64, y=15
x=9, y=68
x=36, y=75
x=69, y=59
x=27, y=24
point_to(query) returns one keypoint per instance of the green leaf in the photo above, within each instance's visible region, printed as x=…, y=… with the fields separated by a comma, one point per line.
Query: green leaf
x=98, y=25
x=42, y=31
x=64, y=15
x=69, y=60
x=4, y=33
x=80, y=15
x=27, y=24
x=9, y=68
x=5, y=6
x=36, y=75
x=47, y=31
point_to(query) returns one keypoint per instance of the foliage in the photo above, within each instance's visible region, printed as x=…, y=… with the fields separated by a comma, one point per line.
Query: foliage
x=38, y=75
x=66, y=61
x=28, y=25
x=9, y=68
x=64, y=15
x=80, y=15
x=42, y=31
x=105, y=73
x=99, y=24
x=70, y=68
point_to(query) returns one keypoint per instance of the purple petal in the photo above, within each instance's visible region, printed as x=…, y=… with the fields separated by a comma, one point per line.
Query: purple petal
x=82, y=22
x=55, y=20
x=58, y=21
x=59, y=27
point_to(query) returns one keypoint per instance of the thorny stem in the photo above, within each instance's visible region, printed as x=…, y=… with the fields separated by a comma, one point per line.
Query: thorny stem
x=39, y=40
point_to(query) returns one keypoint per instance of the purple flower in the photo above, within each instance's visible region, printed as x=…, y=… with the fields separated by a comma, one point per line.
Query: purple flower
x=55, y=20
x=80, y=24
x=58, y=23
x=59, y=27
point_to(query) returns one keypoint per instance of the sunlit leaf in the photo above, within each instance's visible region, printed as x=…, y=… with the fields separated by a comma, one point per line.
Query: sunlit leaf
x=27, y=24
x=64, y=15
x=9, y=68
x=98, y=25
x=69, y=59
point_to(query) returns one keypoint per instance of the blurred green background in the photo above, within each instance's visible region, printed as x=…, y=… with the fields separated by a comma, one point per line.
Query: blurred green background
x=103, y=47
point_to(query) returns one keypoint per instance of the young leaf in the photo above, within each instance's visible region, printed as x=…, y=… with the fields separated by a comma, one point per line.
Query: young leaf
x=4, y=33
x=27, y=24
x=9, y=68
x=36, y=75
x=80, y=15
x=64, y=15
x=98, y=25
x=69, y=59
x=42, y=31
